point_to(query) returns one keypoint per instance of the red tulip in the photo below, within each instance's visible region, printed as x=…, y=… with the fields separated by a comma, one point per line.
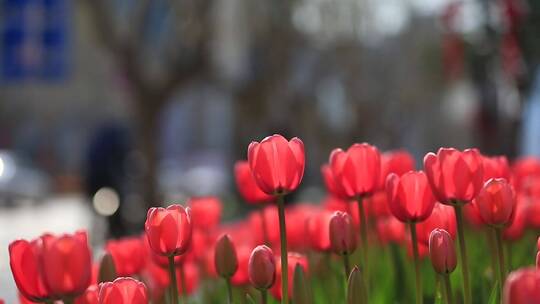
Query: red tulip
x=240, y=277
x=294, y=259
x=454, y=176
x=168, y=230
x=330, y=182
x=271, y=225
x=225, y=258
x=297, y=217
x=191, y=273
x=277, y=164
x=442, y=217
x=409, y=197
x=123, y=291
x=334, y=203
x=247, y=186
x=472, y=215
x=517, y=228
x=25, y=261
x=342, y=233
x=66, y=264
x=156, y=279
x=317, y=230
x=90, y=296
x=390, y=230
x=442, y=251
x=522, y=286
x=205, y=212
x=262, y=267
x=398, y=162
x=356, y=171
x=524, y=171
x=496, y=167
x=496, y=203
x=129, y=255
x=378, y=204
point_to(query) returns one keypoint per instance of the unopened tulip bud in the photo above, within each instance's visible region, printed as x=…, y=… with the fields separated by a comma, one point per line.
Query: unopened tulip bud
x=355, y=288
x=496, y=203
x=301, y=293
x=342, y=234
x=522, y=286
x=442, y=251
x=262, y=267
x=225, y=258
x=107, y=269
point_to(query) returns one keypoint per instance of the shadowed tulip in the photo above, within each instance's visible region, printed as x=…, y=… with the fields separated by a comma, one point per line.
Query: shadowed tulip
x=525, y=170
x=342, y=236
x=496, y=203
x=455, y=176
x=316, y=228
x=277, y=164
x=496, y=167
x=522, y=286
x=123, y=291
x=356, y=292
x=398, y=162
x=442, y=251
x=168, y=230
x=225, y=259
x=247, y=186
x=442, y=217
x=331, y=183
x=262, y=267
x=409, y=197
x=107, y=269
x=390, y=230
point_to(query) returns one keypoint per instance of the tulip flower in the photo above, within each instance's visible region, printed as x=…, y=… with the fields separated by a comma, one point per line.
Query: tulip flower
x=398, y=162
x=107, y=269
x=90, y=296
x=277, y=166
x=226, y=261
x=522, y=215
x=442, y=217
x=294, y=259
x=331, y=183
x=522, y=286
x=262, y=269
x=168, y=231
x=317, y=230
x=525, y=170
x=247, y=186
x=495, y=167
x=25, y=262
x=356, y=172
x=129, y=255
x=390, y=230
x=410, y=200
x=456, y=177
x=301, y=293
x=51, y=267
x=205, y=212
x=342, y=237
x=443, y=258
x=123, y=291
x=496, y=205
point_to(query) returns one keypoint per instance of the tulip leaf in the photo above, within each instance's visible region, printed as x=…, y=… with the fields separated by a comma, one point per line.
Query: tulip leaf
x=107, y=269
x=301, y=290
x=494, y=295
x=249, y=299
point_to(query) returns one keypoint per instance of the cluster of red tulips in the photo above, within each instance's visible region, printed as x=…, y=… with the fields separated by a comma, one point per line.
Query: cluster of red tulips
x=375, y=200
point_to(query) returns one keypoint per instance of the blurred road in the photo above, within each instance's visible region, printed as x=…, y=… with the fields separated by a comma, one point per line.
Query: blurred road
x=63, y=214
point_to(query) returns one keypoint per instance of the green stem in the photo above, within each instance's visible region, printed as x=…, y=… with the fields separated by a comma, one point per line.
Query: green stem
x=264, y=296
x=414, y=240
x=284, y=258
x=346, y=266
x=183, y=284
x=448, y=289
x=492, y=248
x=174, y=283
x=463, y=254
x=363, y=235
x=229, y=290
x=500, y=253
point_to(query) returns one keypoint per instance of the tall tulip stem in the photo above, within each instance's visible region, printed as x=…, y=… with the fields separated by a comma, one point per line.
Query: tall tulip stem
x=183, y=283
x=174, y=284
x=449, y=297
x=229, y=290
x=463, y=254
x=414, y=240
x=500, y=254
x=284, y=261
x=363, y=233
x=264, y=296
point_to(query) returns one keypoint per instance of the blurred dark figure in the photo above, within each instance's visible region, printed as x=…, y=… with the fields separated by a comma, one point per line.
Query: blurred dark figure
x=106, y=168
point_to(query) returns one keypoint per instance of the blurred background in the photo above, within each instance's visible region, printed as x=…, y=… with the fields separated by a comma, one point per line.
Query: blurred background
x=108, y=107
